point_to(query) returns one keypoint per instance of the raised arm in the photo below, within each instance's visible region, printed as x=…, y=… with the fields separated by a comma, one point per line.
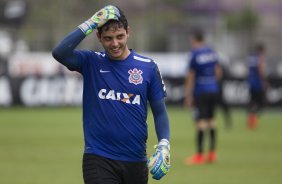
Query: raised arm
x=64, y=51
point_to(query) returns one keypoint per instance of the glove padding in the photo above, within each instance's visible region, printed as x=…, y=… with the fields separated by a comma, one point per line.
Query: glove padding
x=99, y=19
x=160, y=161
x=107, y=13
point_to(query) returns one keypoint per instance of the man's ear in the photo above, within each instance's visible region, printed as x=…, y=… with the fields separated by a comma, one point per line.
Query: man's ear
x=98, y=36
x=128, y=31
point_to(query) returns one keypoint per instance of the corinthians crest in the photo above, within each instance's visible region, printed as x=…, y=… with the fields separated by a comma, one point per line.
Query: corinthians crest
x=135, y=76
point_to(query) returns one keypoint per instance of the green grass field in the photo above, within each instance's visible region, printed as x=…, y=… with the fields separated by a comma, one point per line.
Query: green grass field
x=44, y=146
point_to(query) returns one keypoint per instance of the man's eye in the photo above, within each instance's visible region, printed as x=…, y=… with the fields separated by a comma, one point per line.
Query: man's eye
x=120, y=37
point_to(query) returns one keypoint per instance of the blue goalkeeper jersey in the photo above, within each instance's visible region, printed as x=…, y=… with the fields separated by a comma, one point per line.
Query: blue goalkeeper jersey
x=115, y=96
x=203, y=61
x=254, y=79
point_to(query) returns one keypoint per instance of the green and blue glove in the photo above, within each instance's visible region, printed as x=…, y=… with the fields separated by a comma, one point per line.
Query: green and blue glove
x=99, y=19
x=159, y=163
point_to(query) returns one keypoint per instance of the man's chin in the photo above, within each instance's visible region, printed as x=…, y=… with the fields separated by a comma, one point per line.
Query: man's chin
x=115, y=55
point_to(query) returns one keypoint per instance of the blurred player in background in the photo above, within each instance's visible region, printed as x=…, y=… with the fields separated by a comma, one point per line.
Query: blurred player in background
x=117, y=85
x=201, y=92
x=257, y=84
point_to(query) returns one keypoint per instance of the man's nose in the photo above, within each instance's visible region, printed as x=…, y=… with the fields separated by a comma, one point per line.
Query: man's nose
x=114, y=42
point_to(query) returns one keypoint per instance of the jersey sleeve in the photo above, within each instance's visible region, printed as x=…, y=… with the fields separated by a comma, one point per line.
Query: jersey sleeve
x=83, y=58
x=192, y=62
x=157, y=88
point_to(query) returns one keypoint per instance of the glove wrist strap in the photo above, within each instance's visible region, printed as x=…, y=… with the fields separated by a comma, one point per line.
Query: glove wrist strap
x=87, y=27
x=164, y=142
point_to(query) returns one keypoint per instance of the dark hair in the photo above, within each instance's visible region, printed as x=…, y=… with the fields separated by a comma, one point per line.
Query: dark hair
x=115, y=24
x=198, y=34
x=259, y=48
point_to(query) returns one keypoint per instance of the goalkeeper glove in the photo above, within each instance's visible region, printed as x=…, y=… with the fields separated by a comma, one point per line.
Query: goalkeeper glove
x=160, y=161
x=99, y=19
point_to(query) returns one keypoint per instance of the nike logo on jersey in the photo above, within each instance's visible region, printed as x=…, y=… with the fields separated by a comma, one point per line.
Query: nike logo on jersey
x=123, y=97
x=104, y=71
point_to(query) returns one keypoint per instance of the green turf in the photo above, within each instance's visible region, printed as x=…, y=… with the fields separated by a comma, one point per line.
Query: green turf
x=44, y=146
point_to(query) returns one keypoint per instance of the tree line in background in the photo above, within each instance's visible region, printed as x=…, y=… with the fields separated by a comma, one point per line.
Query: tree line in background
x=157, y=25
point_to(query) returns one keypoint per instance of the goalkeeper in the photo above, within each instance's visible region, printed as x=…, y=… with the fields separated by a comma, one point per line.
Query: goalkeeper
x=118, y=83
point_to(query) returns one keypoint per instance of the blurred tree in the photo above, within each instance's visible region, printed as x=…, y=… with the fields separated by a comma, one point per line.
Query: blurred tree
x=151, y=21
x=246, y=23
x=161, y=17
x=246, y=19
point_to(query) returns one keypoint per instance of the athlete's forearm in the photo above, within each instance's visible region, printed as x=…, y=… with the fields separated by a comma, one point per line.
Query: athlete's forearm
x=64, y=51
x=218, y=72
x=189, y=83
x=161, y=119
x=261, y=68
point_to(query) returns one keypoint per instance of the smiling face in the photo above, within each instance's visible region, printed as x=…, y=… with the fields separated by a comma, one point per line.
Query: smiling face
x=114, y=41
